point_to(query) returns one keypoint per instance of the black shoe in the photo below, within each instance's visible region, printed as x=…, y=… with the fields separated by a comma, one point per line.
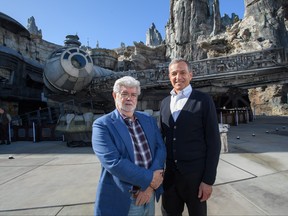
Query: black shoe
x=8, y=142
x=2, y=143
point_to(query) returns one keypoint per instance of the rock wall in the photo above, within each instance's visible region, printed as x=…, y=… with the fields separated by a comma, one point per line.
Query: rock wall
x=194, y=30
x=189, y=20
x=270, y=100
x=269, y=20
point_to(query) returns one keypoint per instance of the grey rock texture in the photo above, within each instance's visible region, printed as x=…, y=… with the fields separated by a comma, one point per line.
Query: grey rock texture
x=33, y=29
x=192, y=31
x=270, y=100
x=264, y=26
x=140, y=56
x=189, y=20
x=269, y=19
x=153, y=36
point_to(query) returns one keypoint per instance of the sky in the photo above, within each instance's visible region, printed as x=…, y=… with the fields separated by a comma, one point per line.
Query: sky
x=106, y=22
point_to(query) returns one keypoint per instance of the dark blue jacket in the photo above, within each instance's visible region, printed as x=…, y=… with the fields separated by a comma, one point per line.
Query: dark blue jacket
x=193, y=141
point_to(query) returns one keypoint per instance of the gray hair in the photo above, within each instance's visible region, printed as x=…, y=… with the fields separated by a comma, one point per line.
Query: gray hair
x=126, y=81
x=177, y=60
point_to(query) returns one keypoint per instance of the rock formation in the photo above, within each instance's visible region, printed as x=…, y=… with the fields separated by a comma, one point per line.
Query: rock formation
x=216, y=18
x=189, y=20
x=267, y=21
x=264, y=26
x=33, y=29
x=140, y=56
x=153, y=37
x=269, y=100
x=193, y=25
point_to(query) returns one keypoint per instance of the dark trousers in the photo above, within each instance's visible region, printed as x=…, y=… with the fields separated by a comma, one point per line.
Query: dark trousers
x=181, y=189
x=3, y=132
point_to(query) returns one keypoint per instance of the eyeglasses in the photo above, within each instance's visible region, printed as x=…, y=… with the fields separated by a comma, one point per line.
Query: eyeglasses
x=126, y=95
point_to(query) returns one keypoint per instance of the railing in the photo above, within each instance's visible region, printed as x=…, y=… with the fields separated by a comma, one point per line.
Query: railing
x=40, y=124
x=235, y=116
x=51, y=114
x=47, y=115
x=240, y=62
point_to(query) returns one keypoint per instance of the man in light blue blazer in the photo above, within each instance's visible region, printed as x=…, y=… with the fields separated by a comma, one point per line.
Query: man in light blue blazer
x=132, y=153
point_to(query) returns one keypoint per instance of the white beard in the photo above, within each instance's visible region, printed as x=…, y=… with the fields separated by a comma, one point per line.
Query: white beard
x=119, y=105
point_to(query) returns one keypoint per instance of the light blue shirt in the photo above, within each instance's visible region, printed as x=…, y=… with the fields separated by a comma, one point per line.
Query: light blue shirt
x=179, y=100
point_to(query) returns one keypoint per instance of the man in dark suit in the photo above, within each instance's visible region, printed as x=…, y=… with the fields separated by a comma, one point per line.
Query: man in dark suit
x=189, y=126
x=132, y=153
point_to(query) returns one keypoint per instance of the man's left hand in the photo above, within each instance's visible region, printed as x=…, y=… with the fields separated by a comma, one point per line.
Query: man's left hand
x=205, y=191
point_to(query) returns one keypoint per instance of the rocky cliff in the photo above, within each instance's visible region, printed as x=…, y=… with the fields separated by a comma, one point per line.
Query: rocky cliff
x=193, y=28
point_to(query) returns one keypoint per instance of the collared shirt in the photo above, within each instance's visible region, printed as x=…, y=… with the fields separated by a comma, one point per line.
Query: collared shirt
x=179, y=100
x=142, y=153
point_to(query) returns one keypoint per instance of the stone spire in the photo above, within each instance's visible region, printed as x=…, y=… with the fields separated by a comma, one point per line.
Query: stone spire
x=216, y=18
x=153, y=36
x=33, y=29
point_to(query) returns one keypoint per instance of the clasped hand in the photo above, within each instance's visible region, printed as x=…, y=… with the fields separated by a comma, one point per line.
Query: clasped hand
x=157, y=179
x=144, y=197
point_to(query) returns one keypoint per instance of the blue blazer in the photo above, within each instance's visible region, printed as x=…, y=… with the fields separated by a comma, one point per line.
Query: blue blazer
x=113, y=146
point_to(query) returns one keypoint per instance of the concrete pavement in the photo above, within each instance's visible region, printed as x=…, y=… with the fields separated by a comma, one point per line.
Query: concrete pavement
x=49, y=178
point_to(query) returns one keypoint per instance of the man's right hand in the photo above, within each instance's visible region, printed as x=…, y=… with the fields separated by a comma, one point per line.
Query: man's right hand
x=157, y=179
